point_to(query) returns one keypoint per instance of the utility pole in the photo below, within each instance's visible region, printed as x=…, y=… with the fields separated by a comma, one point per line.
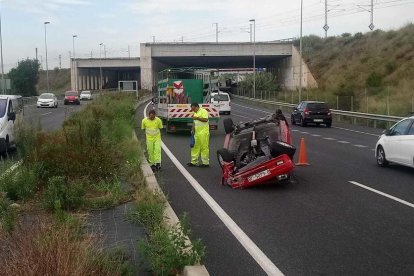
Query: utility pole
x=153, y=39
x=326, y=27
x=104, y=50
x=47, y=67
x=60, y=61
x=216, y=31
x=300, y=52
x=254, y=57
x=91, y=54
x=36, y=53
x=182, y=39
x=41, y=62
x=371, y=26
x=2, y=66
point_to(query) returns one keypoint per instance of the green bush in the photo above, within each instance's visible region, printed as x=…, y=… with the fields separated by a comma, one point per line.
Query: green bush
x=149, y=209
x=20, y=184
x=61, y=194
x=374, y=80
x=169, y=250
x=7, y=214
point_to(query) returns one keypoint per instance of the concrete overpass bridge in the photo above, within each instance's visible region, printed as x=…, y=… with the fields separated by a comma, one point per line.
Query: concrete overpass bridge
x=280, y=58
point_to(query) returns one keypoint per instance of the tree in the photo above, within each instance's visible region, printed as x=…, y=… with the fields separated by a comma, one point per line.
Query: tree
x=264, y=81
x=25, y=76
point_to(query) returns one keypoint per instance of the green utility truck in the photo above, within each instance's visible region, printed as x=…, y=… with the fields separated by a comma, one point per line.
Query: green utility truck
x=177, y=89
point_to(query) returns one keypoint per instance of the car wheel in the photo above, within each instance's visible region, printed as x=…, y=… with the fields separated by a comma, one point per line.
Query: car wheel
x=279, y=147
x=228, y=125
x=302, y=122
x=381, y=160
x=328, y=124
x=224, y=155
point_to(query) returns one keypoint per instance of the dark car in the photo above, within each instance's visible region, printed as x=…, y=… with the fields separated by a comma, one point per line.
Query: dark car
x=311, y=112
x=71, y=97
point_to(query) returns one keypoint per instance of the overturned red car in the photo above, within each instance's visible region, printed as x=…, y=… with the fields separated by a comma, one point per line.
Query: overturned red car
x=256, y=152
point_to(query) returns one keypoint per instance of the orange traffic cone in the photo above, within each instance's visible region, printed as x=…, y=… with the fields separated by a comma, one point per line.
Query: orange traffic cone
x=302, y=154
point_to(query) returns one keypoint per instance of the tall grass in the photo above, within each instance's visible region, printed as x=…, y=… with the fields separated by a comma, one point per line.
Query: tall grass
x=46, y=248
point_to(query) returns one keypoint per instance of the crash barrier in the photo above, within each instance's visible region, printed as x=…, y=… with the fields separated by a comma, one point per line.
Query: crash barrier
x=170, y=217
x=353, y=115
x=302, y=161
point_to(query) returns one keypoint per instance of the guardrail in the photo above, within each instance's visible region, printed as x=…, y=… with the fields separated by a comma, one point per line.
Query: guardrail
x=352, y=114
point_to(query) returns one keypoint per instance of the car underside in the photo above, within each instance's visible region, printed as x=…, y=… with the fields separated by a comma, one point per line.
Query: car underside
x=256, y=152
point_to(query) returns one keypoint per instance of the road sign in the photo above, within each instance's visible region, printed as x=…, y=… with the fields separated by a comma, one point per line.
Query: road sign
x=326, y=27
x=371, y=26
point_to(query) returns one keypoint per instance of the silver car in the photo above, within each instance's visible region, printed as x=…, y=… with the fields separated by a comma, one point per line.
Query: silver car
x=47, y=100
x=85, y=95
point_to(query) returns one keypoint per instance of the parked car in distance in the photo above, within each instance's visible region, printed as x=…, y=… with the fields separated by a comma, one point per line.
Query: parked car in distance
x=71, y=97
x=311, y=112
x=47, y=100
x=222, y=99
x=396, y=144
x=85, y=95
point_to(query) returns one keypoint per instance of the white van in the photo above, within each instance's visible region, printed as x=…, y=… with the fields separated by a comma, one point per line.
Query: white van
x=11, y=110
x=223, y=100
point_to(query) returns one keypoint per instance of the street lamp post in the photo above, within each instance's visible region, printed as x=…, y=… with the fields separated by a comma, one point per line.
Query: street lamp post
x=254, y=57
x=74, y=63
x=100, y=66
x=47, y=67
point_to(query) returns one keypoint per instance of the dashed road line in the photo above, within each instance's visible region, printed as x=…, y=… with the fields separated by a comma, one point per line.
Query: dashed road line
x=360, y=146
x=316, y=135
x=46, y=113
x=234, y=114
x=344, y=142
x=383, y=194
x=329, y=138
x=356, y=131
x=252, y=108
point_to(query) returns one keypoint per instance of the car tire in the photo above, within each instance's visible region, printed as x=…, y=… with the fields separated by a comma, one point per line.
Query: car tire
x=302, y=122
x=228, y=125
x=224, y=155
x=381, y=160
x=279, y=147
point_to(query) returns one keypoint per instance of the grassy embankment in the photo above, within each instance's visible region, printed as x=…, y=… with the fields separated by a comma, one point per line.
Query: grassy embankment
x=66, y=173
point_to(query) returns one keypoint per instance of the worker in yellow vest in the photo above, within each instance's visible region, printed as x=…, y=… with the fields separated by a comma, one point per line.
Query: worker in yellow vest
x=201, y=131
x=152, y=125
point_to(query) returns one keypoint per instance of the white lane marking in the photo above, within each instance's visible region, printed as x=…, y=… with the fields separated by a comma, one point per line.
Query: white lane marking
x=295, y=130
x=316, y=135
x=344, y=142
x=46, y=113
x=383, y=194
x=304, y=132
x=356, y=131
x=240, y=116
x=254, y=251
x=252, y=108
x=360, y=146
x=330, y=139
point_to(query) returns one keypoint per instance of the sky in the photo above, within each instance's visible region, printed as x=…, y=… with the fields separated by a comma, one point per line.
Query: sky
x=121, y=25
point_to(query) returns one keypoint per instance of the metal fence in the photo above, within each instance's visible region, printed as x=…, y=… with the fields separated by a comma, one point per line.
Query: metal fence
x=287, y=100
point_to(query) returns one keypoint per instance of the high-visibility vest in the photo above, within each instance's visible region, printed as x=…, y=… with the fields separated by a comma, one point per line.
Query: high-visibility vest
x=152, y=128
x=199, y=125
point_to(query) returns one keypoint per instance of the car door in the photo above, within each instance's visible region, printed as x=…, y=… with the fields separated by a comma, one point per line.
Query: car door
x=393, y=140
x=406, y=146
x=296, y=112
x=10, y=123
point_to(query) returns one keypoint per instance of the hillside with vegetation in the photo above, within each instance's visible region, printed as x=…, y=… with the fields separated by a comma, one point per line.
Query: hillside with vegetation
x=59, y=81
x=371, y=72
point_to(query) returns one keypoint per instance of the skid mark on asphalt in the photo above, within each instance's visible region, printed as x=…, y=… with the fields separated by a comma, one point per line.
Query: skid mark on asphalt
x=383, y=194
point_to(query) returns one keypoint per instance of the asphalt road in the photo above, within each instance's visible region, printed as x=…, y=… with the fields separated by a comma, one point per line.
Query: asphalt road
x=322, y=223
x=48, y=119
